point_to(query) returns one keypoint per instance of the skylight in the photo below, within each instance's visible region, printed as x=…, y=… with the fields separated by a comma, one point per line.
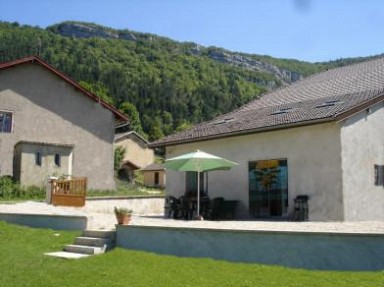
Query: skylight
x=223, y=121
x=328, y=103
x=281, y=111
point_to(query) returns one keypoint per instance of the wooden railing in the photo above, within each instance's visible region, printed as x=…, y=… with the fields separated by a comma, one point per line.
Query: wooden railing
x=69, y=192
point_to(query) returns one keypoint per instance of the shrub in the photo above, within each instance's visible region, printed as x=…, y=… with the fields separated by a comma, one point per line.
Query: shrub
x=9, y=189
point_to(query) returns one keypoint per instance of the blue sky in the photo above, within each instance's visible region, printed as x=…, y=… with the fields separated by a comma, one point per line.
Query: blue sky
x=309, y=30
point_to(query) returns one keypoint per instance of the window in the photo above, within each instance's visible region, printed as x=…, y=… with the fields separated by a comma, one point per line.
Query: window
x=5, y=122
x=379, y=174
x=57, y=159
x=329, y=103
x=224, y=121
x=281, y=111
x=38, y=158
x=268, y=187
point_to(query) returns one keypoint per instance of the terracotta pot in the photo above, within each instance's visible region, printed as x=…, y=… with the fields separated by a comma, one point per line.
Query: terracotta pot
x=123, y=219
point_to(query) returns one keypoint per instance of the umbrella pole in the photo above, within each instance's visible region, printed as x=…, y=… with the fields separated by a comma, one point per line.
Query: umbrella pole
x=198, y=195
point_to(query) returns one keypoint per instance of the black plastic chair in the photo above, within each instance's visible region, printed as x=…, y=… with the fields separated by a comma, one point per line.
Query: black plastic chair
x=216, y=209
x=300, y=208
x=229, y=209
x=205, y=206
x=186, y=208
x=173, y=206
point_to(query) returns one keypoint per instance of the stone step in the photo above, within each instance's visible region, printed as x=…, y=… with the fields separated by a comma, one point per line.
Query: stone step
x=91, y=250
x=99, y=234
x=93, y=241
x=67, y=255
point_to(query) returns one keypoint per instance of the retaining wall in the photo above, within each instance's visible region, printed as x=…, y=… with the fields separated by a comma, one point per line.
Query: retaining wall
x=320, y=251
x=57, y=222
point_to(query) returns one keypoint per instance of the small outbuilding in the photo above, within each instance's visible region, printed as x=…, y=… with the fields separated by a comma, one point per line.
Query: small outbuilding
x=154, y=175
x=137, y=154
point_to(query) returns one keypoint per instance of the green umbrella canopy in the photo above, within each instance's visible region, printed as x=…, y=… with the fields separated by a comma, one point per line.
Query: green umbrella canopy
x=198, y=161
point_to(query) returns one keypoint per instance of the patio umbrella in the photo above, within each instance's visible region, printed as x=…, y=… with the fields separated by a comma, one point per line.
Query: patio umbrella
x=198, y=161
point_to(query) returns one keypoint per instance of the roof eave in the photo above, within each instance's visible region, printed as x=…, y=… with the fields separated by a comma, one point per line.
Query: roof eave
x=357, y=109
x=244, y=132
x=127, y=134
x=334, y=118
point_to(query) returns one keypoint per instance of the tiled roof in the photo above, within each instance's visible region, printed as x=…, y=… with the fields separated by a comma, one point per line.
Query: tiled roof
x=34, y=59
x=130, y=134
x=153, y=167
x=327, y=96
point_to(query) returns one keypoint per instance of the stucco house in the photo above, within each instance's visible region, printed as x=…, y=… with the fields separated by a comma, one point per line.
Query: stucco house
x=137, y=153
x=50, y=125
x=321, y=137
x=154, y=175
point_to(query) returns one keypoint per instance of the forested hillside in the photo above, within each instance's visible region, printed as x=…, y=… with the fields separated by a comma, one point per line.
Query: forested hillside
x=163, y=85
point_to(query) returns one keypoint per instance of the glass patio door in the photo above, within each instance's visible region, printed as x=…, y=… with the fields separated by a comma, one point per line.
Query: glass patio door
x=268, y=188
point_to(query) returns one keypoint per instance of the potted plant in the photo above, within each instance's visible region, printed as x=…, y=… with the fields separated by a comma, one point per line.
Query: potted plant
x=123, y=215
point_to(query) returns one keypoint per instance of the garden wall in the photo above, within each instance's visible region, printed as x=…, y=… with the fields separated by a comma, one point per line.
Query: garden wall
x=309, y=250
x=57, y=222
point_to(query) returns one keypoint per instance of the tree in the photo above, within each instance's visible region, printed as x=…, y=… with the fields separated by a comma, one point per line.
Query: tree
x=135, y=123
x=119, y=154
x=99, y=90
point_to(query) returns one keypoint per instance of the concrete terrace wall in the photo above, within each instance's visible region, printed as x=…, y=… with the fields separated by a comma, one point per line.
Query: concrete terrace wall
x=362, y=138
x=57, y=222
x=313, y=154
x=320, y=251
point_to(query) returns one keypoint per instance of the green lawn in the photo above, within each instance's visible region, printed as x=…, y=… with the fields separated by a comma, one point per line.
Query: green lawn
x=22, y=263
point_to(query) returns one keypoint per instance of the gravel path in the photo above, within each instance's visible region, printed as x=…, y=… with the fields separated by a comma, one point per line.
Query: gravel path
x=107, y=221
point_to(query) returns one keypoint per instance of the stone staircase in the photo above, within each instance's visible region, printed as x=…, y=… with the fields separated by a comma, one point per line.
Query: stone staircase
x=91, y=242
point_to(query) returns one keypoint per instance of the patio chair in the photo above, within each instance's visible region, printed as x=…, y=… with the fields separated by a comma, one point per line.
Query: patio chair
x=205, y=205
x=186, y=208
x=229, y=209
x=216, y=209
x=300, y=208
x=172, y=206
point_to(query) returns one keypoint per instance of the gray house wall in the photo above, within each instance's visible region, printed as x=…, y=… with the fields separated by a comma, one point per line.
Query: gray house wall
x=362, y=139
x=27, y=171
x=313, y=155
x=47, y=109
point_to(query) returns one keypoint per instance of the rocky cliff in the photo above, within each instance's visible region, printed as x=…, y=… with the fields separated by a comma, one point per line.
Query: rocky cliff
x=85, y=30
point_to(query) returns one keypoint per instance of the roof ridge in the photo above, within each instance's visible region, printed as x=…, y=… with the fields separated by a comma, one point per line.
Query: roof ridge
x=309, y=78
x=65, y=77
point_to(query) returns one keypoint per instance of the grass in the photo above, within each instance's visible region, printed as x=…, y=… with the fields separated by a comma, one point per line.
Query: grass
x=22, y=263
x=12, y=192
x=126, y=189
